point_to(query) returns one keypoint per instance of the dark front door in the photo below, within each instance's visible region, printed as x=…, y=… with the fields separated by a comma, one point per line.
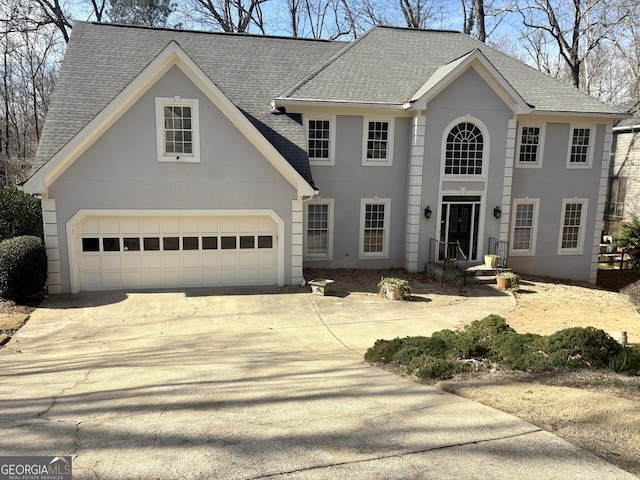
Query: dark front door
x=459, y=223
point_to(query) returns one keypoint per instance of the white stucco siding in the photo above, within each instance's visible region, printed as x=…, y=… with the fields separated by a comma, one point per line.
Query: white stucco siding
x=120, y=171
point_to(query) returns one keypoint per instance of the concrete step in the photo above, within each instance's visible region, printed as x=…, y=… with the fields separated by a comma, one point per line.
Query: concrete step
x=481, y=279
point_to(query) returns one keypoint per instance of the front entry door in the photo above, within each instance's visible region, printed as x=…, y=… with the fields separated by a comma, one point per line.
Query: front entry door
x=460, y=222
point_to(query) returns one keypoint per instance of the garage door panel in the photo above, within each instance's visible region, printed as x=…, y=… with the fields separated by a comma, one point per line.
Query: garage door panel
x=171, y=251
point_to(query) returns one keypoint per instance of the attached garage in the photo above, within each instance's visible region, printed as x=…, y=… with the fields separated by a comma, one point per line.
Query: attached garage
x=165, y=250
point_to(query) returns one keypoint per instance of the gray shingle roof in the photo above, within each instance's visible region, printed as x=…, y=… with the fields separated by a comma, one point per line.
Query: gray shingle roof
x=101, y=60
x=387, y=65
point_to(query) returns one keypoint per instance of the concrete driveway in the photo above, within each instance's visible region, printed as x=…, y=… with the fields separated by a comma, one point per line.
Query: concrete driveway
x=246, y=384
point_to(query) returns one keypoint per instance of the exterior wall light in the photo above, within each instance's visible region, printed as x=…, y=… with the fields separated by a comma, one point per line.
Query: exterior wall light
x=427, y=213
x=497, y=212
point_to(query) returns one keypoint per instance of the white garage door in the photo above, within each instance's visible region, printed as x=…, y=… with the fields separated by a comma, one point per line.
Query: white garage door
x=170, y=251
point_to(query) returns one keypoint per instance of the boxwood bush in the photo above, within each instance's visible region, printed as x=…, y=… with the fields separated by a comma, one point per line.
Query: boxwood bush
x=23, y=267
x=492, y=342
x=20, y=214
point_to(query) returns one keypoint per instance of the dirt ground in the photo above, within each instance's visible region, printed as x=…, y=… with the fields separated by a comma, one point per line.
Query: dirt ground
x=598, y=411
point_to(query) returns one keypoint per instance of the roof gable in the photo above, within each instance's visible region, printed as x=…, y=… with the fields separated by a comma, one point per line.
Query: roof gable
x=475, y=59
x=171, y=55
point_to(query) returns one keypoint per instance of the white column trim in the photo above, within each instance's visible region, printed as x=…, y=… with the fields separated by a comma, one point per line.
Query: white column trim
x=604, y=178
x=51, y=245
x=416, y=167
x=509, y=158
x=297, y=226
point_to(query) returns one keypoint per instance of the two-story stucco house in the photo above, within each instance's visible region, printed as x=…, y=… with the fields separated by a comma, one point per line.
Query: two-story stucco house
x=173, y=158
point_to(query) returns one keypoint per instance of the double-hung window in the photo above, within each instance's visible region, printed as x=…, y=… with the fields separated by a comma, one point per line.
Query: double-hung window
x=374, y=227
x=320, y=140
x=378, y=142
x=572, y=226
x=177, y=129
x=319, y=229
x=580, y=147
x=530, y=146
x=524, y=228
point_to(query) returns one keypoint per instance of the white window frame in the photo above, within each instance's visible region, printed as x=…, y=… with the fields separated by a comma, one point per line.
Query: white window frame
x=581, y=234
x=540, y=154
x=387, y=162
x=534, y=226
x=485, y=151
x=329, y=254
x=193, y=157
x=331, y=161
x=592, y=139
x=387, y=226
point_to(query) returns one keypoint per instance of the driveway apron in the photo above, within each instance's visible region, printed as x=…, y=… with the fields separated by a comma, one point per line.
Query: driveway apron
x=255, y=383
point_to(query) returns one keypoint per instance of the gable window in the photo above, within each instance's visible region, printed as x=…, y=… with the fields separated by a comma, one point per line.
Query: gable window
x=523, y=232
x=319, y=229
x=581, y=147
x=378, y=142
x=572, y=226
x=464, y=150
x=374, y=227
x=530, y=145
x=177, y=130
x=320, y=141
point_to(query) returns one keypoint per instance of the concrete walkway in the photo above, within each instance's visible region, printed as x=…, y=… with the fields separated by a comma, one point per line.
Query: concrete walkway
x=248, y=384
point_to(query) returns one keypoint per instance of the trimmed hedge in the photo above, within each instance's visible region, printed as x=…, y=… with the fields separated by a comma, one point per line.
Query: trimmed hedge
x=20, y=214
x=23, y=267
x=492, y=342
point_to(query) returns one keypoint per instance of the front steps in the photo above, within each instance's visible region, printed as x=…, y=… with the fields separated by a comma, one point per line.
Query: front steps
x=478, y=274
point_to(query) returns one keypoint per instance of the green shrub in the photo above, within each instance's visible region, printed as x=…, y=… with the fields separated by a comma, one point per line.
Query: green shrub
x=478, y=337
x=20, y=214
x=581, y=347
x=428, y=367
x=633, y=362
x=382, y=351
x=517, y=351
x=23, y=267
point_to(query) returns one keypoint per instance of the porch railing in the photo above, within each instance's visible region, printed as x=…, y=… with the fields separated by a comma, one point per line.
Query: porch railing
x=449, y=256
x=501, y=249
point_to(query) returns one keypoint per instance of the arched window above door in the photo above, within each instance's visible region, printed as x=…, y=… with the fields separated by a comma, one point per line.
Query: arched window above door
x=464, y=150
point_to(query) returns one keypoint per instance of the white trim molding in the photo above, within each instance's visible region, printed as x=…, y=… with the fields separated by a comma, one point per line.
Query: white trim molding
x=386, y=218
x=414, y=208
x=531, y=251
x=51, y=245
x=193, y=104
x=387, y=161
x=331, y=161
x=328, y=255
x=602, y=198
x=297, y=225
x=589, y=154
x=540, y=145
x=578, y=249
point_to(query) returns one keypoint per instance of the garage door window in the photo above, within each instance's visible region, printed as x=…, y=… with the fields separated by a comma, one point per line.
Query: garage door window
x=131, y=244
x=171, y=243
x=209, y=243
x=151, y=244
x=90, y=244
x=247, y=241
x=228, y=243
x=190, y=243
x=265, y=241
x=111, y=244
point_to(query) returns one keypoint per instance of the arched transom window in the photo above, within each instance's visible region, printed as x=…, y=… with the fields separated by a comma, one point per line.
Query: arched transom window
x=464, y=150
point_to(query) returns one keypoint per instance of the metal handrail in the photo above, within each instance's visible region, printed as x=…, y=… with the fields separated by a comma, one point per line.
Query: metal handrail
x=500, y=248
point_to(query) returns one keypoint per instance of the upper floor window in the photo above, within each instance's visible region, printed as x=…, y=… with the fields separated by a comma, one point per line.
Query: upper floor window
x=581, y=147
x=320, y=141
x=464, y=150
x=378, y=142
x=572, y=226
x=530, y=145
x=177, y=130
